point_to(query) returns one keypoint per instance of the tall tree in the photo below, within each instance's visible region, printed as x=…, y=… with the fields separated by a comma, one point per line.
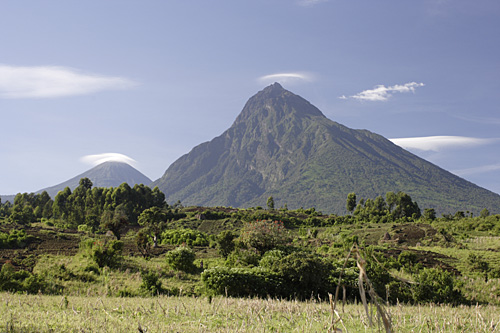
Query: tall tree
x=351, y=202
x=154, y=220
x=270, y=203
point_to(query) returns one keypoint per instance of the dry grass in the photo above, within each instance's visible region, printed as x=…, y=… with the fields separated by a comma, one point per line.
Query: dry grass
x=30, y=313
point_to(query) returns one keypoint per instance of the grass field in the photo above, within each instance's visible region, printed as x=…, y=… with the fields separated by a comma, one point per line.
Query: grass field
x=40, y=313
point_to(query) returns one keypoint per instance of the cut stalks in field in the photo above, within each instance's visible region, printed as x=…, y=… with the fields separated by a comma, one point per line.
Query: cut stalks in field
x=363, y=280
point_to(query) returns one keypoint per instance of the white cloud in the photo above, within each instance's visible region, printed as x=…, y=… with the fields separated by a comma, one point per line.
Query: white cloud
x=52, y=82
x=480, y=169
x=107, y=157
x=308, y=3
x=286, y=78
x=383, y=93
x=439, y=143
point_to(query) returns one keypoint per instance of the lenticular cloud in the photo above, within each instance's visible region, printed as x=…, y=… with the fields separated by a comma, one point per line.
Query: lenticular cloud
x=53, y=82
x=439, y=143
x=285, y=78
x=107, y=157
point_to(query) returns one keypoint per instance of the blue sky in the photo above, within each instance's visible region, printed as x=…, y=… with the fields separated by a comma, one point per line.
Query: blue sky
x=152, y=79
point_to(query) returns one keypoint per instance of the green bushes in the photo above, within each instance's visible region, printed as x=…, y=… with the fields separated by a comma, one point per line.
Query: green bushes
x=225, y=242
x=298, y=274
x=436, y=286
x=264, y=235
x=242, y=282
x=305, y=274
x=184, y=236
x=14, y=239
x=181, y=259
x=103, y=252
x=11, y=280
x=151, y=284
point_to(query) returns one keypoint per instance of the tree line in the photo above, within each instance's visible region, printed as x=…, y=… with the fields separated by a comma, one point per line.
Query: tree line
x=94, y=207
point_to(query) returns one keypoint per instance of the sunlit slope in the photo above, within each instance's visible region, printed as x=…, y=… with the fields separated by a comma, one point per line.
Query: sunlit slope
x=282, y=146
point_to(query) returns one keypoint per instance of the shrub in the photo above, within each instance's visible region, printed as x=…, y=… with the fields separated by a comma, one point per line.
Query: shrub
x=143, y=243
x=304, y=274
x=436, y=286
x=14, y=239
x=103, y=252
x=271, y=258
x=184, y=236
x=243, y=258
x=11, y=280
x=264, y=235
x=242, y=282
x=225, y=242
x=181, y=258
x=151, y=283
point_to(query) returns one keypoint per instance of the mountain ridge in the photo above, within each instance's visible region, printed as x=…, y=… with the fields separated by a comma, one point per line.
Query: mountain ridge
x=281, y=145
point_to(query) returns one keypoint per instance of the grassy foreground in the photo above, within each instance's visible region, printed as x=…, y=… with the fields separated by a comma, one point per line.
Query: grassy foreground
x=37, y=313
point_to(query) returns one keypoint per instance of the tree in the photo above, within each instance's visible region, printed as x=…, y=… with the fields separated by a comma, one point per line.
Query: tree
x=351, y=202
x=86, y=183
x=114, y=221
x=430, y=214
x=154, y=220
x=60, y=206
x=270, y=203
x=484, y=213
x=225, y=242
x=405, y=207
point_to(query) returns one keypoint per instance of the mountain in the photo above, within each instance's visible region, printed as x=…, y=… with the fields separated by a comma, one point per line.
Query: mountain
x=282, y=146
x=107, y=174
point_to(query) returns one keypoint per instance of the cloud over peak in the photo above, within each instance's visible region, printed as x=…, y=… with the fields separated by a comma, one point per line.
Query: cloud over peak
x=286, y=78
x=54, y=81
x=107, y=157
x=383, y=93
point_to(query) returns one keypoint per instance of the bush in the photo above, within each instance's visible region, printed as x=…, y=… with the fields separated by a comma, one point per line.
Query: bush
x=103, y=252
x=242, y=282
x=151, y=283
x=264, y=235
x=143, y=243
x=14, y=239
x=181, y=259
x=436, y=286
x=271, y=258
x=243, y=258
x=225, y=242
x=304, y=274
x=184, y=236
x=15, y=281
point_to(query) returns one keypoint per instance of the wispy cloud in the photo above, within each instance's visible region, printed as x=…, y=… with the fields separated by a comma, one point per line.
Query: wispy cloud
x=383, y=93
x=439, y=143
x=476, y=170
x=53, y=82
x=308, y=3
x=107, y=157
x=286, y=78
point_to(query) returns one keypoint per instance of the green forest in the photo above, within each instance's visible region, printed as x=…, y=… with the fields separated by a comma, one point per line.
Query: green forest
x=128, y=242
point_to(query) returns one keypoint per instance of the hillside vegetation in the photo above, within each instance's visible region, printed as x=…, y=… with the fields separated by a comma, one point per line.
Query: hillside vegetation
x=145, y=247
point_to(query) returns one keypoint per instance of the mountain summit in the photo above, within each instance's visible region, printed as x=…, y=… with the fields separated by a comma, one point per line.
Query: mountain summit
x=107, y=174
x=281, y=145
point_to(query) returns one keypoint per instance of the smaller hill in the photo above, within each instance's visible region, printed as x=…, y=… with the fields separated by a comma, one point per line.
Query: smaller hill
x=107, y=174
